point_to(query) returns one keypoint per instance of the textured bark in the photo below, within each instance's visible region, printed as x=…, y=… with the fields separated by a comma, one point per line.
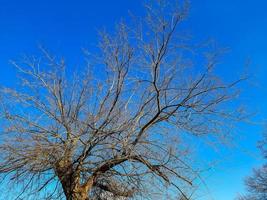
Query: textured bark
x=79, y=195
x=73, y=190
x=70, y=181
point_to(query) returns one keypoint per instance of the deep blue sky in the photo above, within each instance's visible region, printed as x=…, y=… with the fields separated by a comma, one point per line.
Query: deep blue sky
x=65, y=27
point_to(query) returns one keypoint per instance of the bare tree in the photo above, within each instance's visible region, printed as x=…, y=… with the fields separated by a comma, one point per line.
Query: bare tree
x=257, y=183
x=114, y=129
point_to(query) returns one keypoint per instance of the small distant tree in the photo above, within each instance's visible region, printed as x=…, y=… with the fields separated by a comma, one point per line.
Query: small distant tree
x=114, y=129
x=257, y=183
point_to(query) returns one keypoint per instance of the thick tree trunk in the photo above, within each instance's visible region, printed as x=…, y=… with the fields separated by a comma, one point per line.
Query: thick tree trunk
x=73, y=190
x=76, y=191
x=77, y=195
x=70, y=181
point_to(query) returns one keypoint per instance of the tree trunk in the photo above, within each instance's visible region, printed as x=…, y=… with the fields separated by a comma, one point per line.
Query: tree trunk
x=73, y=190
x=70, y=181
x=77, y=195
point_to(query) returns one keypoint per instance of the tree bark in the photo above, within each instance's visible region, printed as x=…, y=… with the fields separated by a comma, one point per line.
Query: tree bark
x=70, y=181
x=73, y=190
x=77, y=195
x=76, y=191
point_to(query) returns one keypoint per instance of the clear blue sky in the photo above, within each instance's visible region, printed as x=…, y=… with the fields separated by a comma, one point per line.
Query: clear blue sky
x=66, y=26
